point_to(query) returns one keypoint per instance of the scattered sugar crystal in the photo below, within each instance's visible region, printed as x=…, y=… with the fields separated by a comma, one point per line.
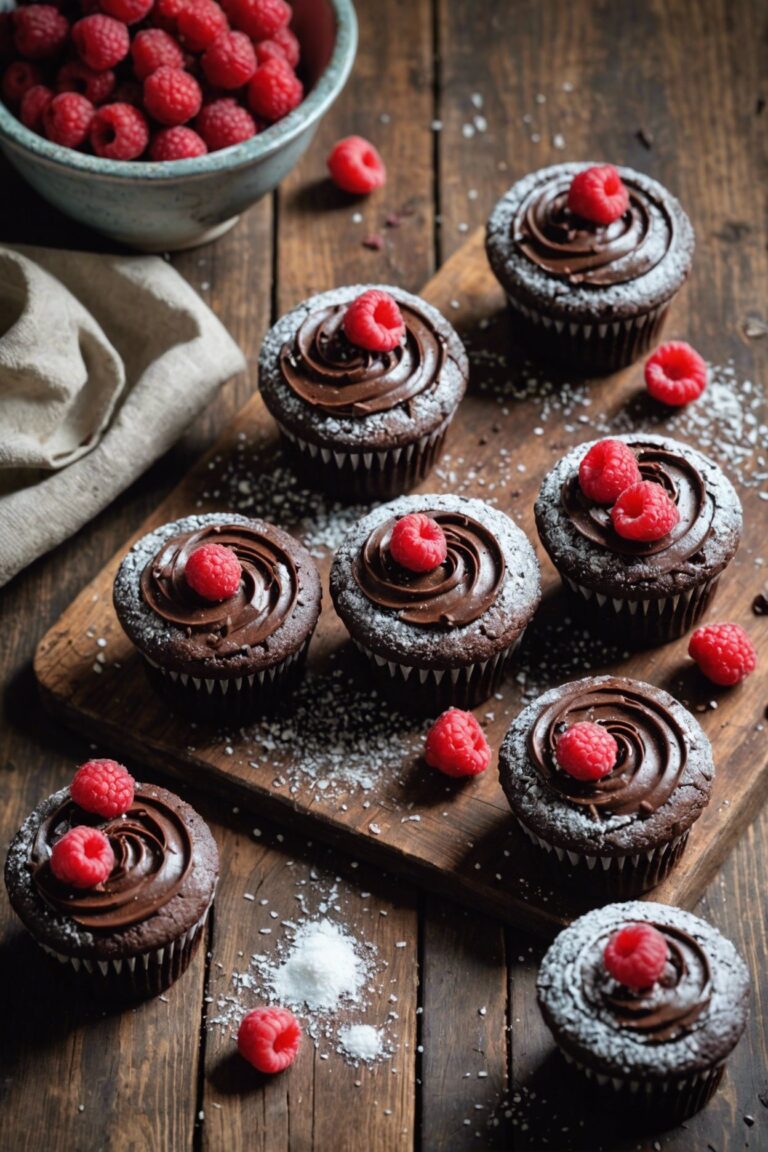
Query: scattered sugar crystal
x=361, y=1042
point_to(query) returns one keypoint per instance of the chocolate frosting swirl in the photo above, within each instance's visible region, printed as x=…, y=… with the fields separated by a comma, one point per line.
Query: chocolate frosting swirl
x=667, y=1010
x=683, y=483
x=581, y=252
x=266, y=595
x=652, y=749
x=328, y=372
x=153, y=855
x=457, y=592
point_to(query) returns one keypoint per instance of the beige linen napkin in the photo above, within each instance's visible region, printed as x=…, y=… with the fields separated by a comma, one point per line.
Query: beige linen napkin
x=104, y=361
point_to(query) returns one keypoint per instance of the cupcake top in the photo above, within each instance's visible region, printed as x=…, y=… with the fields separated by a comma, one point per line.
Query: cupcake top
x=273, y=610
x=466, y=609
x=687, y=1021
x=163, y=879
x=327, y=390
x=659, y=785
x=536, y=244
x=579, y=536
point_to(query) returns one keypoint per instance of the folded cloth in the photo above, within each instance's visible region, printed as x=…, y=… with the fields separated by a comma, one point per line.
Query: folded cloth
x=104, y=361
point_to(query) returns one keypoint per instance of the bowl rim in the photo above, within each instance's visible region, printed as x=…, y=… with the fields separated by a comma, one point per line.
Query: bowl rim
x=15, y=135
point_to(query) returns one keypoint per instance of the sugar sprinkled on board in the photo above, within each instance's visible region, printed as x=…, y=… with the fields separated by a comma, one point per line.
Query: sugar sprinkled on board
x=322, y=968
x=361, y=1042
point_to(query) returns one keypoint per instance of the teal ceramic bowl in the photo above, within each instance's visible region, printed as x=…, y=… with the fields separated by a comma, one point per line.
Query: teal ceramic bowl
x=164, y=207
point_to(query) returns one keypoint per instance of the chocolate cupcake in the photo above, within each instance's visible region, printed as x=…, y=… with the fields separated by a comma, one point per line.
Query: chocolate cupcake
x=659, y=1049
x=364, y=425
x=645, y=591
x=443, y=636
x=134, y=933
x=227, y=659
x=620, y=834
x=592, y=295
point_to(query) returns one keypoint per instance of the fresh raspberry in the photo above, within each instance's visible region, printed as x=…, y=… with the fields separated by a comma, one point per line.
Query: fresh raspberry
x=67, y=119
x=119, y=132
x=17, y=79
x=287, y=41
x=165, y=14
x=597, y=194
x=274, y=90
x=104, y=787
x=101, y=42
x=213, y=571
x=33, y=104
x=223, y=123
x=373, y=321
x=644, y=511
x=355, y=166
x=129, y=11
x=456, y=745
x=39, y=31
x=269, y=1038
x=607, y=469
x=230, y=61
x=259, y=19
x=200, y=23
x=723, y=652
x=82, y=858
x=418, y=543
x=172, y=96
x=74, y=76
x=151, y=49
x=675, y=374
x=636, y=955
x=586, y=751
x=176, y=144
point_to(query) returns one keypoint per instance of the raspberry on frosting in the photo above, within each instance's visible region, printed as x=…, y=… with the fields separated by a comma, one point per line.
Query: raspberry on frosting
x=644, y=512
x=723, y=652
x=213, y=571
x=607, y=469
x=104, y=787
x=636, y=955
x=586, y=751
x=418, y=543
x=82, y=858
x=355, y=166
x=598, y=195
x=269, y=1039
x=456, y=745
x=374, y=321
x=675, y=374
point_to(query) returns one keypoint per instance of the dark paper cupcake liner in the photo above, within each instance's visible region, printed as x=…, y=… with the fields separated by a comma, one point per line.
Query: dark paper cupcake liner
x=432, y=690
x=364, y=477
x=611, y=877
x=233, y=699
x=641, y=623
x=591, y=348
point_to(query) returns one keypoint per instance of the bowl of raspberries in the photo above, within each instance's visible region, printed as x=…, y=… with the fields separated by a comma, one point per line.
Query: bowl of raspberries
x=159, y=121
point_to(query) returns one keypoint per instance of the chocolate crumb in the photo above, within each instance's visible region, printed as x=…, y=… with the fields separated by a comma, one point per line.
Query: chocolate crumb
x=373, y=241
x=645, y=138
x=754, y=328
x=393, y=220
x=760, y=604
x=759, y=106
x=749, y=1121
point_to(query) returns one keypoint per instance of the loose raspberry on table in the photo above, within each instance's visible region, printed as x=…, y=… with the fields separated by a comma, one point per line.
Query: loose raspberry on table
x=636, y=955
x=129, y=11
x=418, y=543
x=675, y=374
x=355, y=166
x=33, y=104
x=607, y=469
x=274, y=90
x=179, y=143
x=104, y=787
x=172, y=96
x=74, y=76
x=723, y=652
x=152, y=48
x=373, y=321
x=82, y=858
x=269, y=1039
x=598, y=195
x=259, y=19
x=17, y=79
x=39, y=31
x=224, y=123
x=230, y=61
x=101, y=41
x=67, y=119
x=119, y=132
x=213, y=571
x=644, y=512
x=200, y=23
x=456, y=745
x=586, y=751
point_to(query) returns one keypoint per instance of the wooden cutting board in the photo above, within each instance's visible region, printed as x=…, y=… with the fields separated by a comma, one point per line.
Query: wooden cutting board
x=338, y=763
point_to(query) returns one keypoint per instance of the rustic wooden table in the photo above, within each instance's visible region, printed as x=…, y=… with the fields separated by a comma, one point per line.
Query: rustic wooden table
x=461, y=96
